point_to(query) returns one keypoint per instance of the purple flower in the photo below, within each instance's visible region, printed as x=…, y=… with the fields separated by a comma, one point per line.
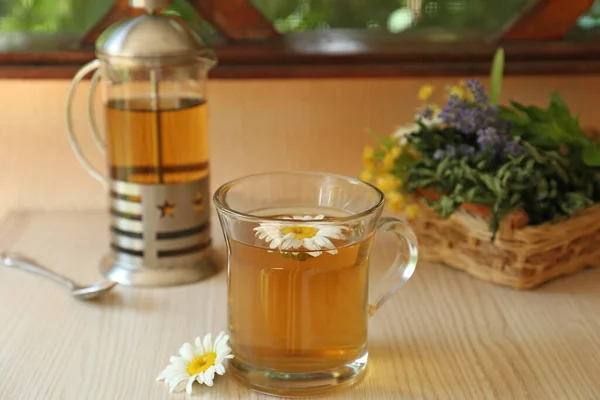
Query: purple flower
x=477, y=118
x=515, y=149
x=426, y=113
x=445, y=116
x=460, y=115
x=489, y=138
x=478, y=91
x=465, y=150
x=466, y=120
x=450, y=151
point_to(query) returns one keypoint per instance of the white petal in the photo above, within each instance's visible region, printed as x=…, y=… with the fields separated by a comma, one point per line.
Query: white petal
x=200, y=378
x=162, y=376
x=190, y=384
x=320, y=216
x=222, y=349
x=407, y=129
x=171, y=370
x=209, y=376
x=180, y=365
x=219, y=369
x=198, y=343
x=268, y=232
x=333, y=232
x=207, y=343
x=176, y=383
x=310, y=244
x=314, y=253
x=187, y=351
x=332, y=252
x=323, y=242
x=221, y=340
x=289, y=242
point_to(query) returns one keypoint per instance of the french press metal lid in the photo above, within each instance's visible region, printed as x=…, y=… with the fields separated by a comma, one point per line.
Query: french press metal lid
x=153, y=70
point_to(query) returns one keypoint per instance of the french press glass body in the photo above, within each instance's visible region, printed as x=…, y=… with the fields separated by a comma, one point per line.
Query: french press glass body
x=153, y=70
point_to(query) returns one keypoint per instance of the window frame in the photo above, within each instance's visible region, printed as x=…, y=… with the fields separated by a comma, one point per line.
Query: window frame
x=253, y=49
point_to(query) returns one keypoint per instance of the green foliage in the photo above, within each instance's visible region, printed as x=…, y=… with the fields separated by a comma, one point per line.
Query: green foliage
x=439, y=16
x=75, y=16
x=54, y=16
x=496, y=76
x=552, y=128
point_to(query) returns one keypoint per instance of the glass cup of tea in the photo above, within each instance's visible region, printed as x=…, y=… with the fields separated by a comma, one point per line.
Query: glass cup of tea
x=298, y=249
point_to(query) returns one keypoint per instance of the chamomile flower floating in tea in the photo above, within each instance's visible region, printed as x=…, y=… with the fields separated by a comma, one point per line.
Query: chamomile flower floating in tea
x=197, y=363
x=312, y=237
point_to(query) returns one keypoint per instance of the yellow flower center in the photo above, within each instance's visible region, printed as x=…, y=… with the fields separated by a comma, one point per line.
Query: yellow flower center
x=300, y=232
x=202, y=363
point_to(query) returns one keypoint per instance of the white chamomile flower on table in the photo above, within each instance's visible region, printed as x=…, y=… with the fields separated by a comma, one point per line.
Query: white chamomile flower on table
x=197, y=363
x=302, y=234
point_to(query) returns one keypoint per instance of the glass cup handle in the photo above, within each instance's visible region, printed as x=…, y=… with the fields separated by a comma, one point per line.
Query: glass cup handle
x=399, y=273
x=82, y=73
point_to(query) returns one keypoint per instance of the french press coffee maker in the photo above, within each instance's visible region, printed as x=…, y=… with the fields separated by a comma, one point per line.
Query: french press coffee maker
x=153, y=72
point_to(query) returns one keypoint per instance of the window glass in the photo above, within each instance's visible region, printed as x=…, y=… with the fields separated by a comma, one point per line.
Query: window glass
x=59, y=24
x=454, y=18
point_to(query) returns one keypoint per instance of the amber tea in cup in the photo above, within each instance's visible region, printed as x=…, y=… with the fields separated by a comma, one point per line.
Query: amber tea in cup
x=298, y=278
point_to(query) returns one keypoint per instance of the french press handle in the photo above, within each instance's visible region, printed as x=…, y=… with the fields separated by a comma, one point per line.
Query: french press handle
x=90, y=67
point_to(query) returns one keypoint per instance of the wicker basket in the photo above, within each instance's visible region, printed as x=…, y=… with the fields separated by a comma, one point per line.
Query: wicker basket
x=521, y=257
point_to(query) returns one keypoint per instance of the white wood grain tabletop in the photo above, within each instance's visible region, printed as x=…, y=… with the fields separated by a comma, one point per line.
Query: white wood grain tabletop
x=444, y=336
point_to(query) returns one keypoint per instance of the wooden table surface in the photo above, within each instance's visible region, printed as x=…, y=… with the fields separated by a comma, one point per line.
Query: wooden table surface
x=444, y=336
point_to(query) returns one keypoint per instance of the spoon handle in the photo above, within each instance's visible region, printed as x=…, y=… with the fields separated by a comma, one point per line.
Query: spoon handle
x=27, y=264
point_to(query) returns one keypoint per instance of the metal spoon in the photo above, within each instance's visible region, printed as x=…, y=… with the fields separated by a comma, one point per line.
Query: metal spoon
x=79, y=292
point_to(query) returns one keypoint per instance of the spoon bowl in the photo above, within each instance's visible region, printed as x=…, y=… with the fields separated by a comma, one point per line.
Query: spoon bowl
x=79, y=292
x=93, y=291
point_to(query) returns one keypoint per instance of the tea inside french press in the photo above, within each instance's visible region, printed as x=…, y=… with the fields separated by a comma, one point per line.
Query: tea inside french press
x=153, y=69
x=159, y=136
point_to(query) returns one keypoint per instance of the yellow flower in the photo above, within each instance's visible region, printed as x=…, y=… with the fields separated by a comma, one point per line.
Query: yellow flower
x=461, y=92
x=369, y=158
x=388, y=162
x=368, y=153
x=456, y=90
x=366, y=175
x=396, y=151
x=387, y=182
x=395, y=201
x=389, y=159
x=425, y=92
x=412, y=211
x=369, y=165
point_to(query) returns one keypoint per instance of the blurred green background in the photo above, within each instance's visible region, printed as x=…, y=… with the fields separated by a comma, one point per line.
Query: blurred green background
x=476, y=16
x=392, y=15
x=69, y=16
